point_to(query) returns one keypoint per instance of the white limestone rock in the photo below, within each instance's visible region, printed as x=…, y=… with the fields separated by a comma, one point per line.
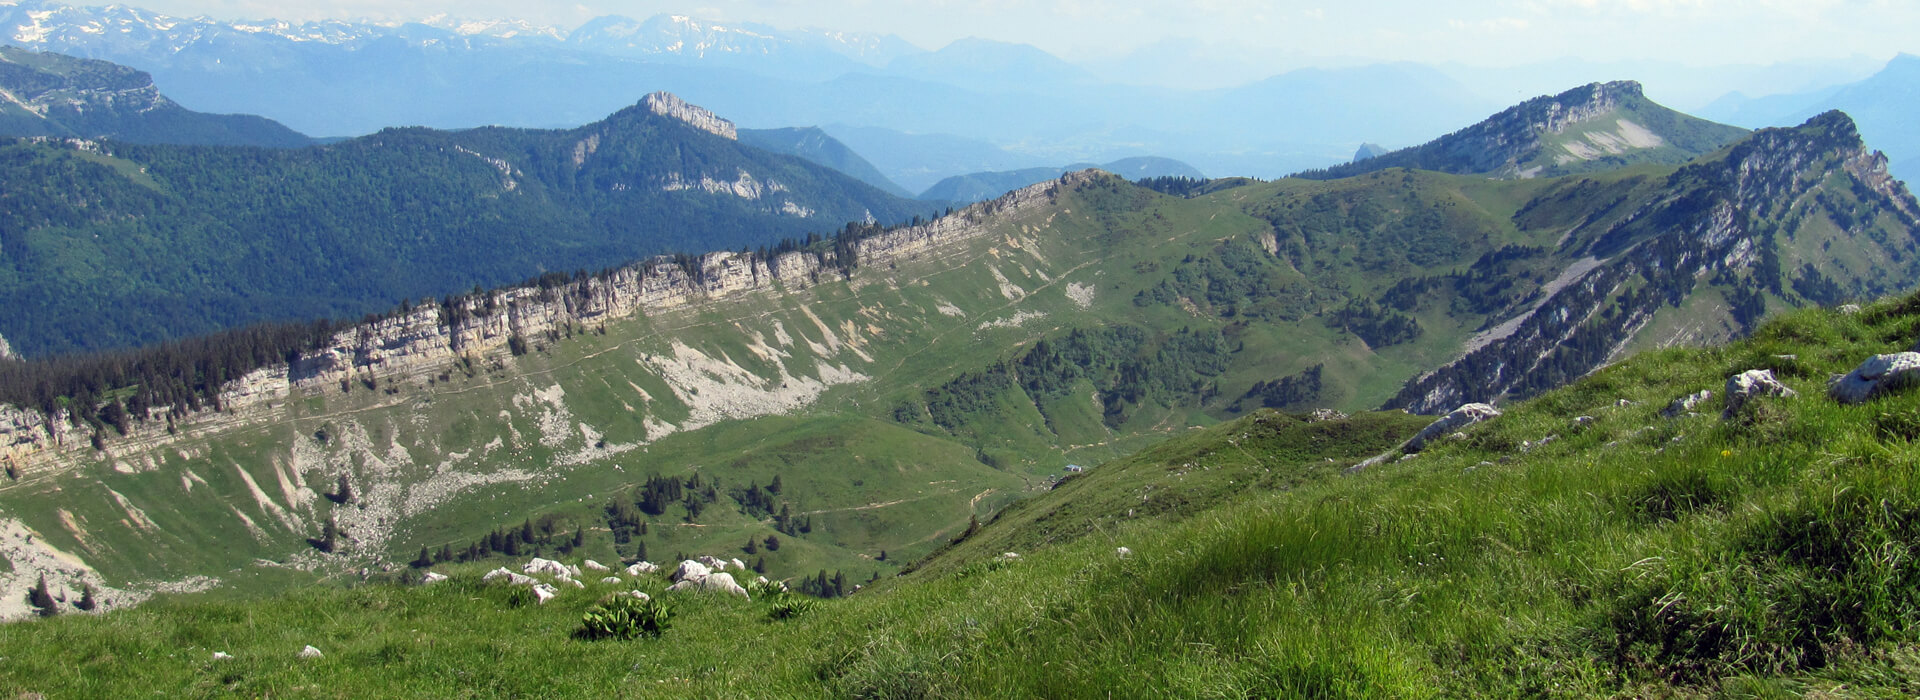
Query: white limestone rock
x=1461, y=417
x=548, y=567
x=642, y=568
x=543, y=593
x=310, y=653
x=592, y=565
x=1685, y=404
x=611, y=580
x=511, y=578
x=1749, y=385
x=689, y=569
x=436, y=577
x=1881, y=374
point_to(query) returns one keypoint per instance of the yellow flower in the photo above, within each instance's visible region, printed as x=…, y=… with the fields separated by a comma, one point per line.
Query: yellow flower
x=1726, y=453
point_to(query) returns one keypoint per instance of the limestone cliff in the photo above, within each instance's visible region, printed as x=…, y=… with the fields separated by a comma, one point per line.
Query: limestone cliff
x=667, y=104
x=423, y=340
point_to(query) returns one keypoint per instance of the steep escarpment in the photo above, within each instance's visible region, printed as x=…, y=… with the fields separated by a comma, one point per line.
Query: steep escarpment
x=423, y=339
x=48, y=94
x=1758, y=225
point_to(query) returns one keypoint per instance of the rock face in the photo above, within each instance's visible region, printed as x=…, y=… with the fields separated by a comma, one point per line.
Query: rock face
x=642, y=568
x=1749, y=385
x=715, y=582
x=420, y=342
x=667, y=104
x=1717, y=217
x=1460, y=418
x=591, y=565
x=1877, y=376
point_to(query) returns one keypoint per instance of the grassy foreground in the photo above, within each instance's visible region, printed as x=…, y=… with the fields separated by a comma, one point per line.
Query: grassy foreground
x=1768, y=555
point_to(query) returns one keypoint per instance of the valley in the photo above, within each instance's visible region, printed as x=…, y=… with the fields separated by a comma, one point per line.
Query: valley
x=1587, y=397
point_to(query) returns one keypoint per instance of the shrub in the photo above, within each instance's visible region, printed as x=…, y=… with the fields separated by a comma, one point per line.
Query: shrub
x=626, y=617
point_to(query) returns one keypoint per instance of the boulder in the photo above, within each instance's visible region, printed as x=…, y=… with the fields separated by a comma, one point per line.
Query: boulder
x=1123, y=552
x=1749, y=385
x=543, y=593
x=610, y=579
x=1460, y=418
x=1849, y=309
x=310, y=653
x=1685, y=404
x=434, y=577
x=718, y=582
x=223, y=656
x=513, y=579
x=714, y=563
x=1009, y=556
x=1583, y=420
x=592, y=565
x=736, y=565
x=638, y=595
x=569, y=580
x=642, y=568
x=689, y=569
x=548, y=567
x=1879, y=375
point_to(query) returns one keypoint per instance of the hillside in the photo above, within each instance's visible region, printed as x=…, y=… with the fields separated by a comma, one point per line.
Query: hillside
x=1581, y=544
x=899, y=382
x=47, y=94
x=361, y=225
x=978, y=187
x=1593, y=128
x=815, y=145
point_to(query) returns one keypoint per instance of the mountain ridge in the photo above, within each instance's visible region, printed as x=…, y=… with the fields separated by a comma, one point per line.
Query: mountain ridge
x=47, y=94
x=1559, y=135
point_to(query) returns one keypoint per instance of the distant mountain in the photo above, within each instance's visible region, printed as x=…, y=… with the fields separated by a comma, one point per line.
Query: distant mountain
x=1590, y=128
x=815, y=145
x=753, y=47
x=1884, y=105
x=991, y=66
x=918, y=161
x=1369, y=150
x=118, y=244
x=978, y=187
x=47, y=94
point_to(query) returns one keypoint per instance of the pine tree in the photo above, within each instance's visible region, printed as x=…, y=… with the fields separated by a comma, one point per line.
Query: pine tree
x=579, y=536
x=425, y=560
x=752, y=547
x=775, y=486
x=87, y=603
x=344, y=492
x=773, y=543
x=41, y=599
x=640, y=550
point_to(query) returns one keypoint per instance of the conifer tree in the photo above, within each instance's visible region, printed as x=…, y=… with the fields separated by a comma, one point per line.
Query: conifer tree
x=87, y=603
x=41, y=599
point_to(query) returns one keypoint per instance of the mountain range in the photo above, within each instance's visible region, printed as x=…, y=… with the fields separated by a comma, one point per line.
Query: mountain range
x=860, y=398
x=44, y=94
x=118, y=243
x=342, y=78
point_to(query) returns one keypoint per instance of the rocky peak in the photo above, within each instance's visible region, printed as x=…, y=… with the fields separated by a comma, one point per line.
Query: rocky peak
x=667, y=104
x=1555, y=114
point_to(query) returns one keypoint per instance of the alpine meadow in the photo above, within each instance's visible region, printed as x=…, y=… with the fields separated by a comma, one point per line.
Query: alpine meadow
x=1581, y=396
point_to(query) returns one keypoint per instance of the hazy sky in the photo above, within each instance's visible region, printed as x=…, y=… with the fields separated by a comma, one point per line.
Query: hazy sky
x=1482, y=32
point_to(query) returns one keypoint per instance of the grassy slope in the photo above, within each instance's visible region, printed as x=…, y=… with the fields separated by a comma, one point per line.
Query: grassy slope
x=1767, y=555
x=945, y=316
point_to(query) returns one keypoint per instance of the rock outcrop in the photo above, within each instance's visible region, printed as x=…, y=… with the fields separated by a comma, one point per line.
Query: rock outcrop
x=423, y=340
x=1749, y=385
x=1879, y=375
x=667, y=104
x=1459, y=418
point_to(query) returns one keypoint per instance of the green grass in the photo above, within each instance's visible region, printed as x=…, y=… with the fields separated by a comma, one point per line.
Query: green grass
x=1764, y=556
